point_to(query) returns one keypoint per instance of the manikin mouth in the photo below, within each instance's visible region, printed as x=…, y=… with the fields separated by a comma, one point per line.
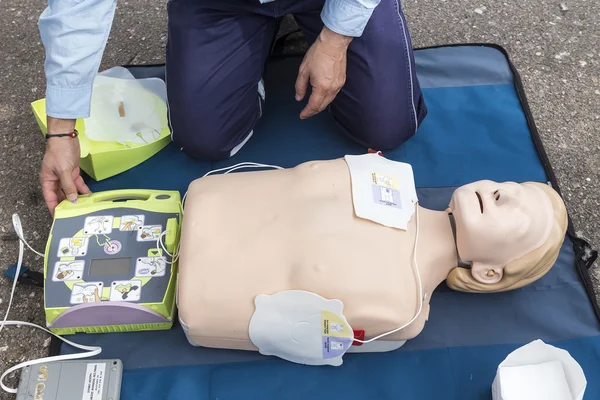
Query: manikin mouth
x=480, y=201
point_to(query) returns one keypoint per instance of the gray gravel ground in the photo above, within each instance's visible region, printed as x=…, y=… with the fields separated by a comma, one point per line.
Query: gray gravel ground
x=555, y=45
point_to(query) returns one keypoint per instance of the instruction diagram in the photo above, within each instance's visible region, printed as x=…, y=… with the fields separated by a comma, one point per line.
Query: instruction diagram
x=383, y=180
x=112, y=247
x=385, y=190
x=72, y=247
x=126, y=290
x=386, y=195
x=150, y=266
x=98, y=225
x=68, y=270
x=131, y=222
x=86, y=292
x=334, y=345
x=149, y=232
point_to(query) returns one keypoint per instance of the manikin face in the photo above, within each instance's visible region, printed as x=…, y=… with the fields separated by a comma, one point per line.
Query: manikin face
x=497, y=223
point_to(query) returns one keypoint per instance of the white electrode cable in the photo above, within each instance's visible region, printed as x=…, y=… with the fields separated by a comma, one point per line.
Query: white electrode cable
x=19, y=231
x=160, y=245
x=242, y=165
x=90, y=351
x=418, y=275
x=245, y=164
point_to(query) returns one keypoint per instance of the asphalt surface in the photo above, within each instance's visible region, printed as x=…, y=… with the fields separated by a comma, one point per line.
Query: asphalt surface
x=555, y=46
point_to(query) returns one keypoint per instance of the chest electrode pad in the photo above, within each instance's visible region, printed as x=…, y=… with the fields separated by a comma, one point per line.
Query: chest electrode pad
x=383, y=190
x=300, y=327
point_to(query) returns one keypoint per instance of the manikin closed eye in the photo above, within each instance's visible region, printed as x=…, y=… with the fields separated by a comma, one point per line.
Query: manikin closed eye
x=480, y=201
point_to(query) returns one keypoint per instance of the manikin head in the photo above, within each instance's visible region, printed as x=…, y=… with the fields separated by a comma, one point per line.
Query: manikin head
x=510, y=233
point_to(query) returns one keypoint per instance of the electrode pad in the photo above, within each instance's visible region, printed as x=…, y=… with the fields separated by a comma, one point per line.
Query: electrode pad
x=300, y=327
x=383, y=191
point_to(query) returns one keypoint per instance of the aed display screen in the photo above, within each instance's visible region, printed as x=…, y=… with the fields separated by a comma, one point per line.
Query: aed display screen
x=110, y=266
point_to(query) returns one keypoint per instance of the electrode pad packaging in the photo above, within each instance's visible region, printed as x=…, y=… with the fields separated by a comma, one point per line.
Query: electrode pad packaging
x=123, y=108
x=539, y=371
x=127, y=125
x=383, y=191
x=300, y=327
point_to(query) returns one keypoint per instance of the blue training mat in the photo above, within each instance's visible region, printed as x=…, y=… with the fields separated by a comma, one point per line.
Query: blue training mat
x=478, y=127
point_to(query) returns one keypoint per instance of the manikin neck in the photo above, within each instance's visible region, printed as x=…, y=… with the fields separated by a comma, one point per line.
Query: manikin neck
x=437, y=246
x=461, y=263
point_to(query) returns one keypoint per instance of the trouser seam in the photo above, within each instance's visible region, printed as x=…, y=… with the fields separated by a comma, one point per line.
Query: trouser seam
x=412, y=110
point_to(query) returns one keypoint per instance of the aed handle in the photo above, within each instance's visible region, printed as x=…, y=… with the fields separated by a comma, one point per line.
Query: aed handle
x=124, y=195
x=119, y=195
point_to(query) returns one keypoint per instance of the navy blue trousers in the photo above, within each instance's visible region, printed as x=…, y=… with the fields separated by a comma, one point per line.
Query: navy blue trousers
x=216, y=55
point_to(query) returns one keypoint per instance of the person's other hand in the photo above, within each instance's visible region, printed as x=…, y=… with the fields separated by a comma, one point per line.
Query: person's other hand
x=60, y=175
x=324, y=68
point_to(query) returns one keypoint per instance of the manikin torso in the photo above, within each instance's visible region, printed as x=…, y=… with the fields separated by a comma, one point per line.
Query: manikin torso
x=246, y=234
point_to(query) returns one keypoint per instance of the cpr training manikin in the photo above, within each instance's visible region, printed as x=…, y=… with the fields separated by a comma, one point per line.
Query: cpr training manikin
x=289, y=263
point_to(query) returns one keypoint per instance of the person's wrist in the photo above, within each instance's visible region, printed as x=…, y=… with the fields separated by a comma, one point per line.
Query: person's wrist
x=60, y=125
x=61, y=142
x=334, y=39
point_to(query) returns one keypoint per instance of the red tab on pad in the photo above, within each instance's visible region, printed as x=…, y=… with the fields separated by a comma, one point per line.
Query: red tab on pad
x=371, y=151
x=360, y=335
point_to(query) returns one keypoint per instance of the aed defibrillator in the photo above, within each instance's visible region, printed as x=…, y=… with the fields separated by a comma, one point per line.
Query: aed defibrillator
x=110, y=262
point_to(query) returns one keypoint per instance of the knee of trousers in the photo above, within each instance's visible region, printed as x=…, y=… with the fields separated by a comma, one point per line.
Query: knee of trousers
x=384, y=126
x=205, y=135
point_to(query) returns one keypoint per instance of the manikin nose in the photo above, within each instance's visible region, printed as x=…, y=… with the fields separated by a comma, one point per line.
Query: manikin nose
x=501, y=196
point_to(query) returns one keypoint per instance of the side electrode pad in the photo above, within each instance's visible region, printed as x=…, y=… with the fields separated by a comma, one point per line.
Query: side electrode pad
x=300, y=327
x=383, y=191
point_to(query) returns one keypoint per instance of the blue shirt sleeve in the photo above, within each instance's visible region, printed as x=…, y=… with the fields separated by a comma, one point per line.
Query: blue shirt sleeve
x=348, y=17
x=74, y=35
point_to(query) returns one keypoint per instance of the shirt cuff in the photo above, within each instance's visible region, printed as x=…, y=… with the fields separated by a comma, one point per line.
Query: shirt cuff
x=346, y=17
x=68, y=103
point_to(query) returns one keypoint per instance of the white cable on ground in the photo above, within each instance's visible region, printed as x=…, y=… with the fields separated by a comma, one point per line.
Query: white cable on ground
x=90, y=351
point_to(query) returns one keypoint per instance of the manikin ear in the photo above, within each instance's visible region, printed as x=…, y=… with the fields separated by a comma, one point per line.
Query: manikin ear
x=486, y=273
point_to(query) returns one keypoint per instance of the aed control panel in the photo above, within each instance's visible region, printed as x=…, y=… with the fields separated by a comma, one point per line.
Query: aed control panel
x=106, y=269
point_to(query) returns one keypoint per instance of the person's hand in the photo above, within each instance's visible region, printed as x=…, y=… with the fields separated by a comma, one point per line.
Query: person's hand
x=60, y=175
x=324, y=67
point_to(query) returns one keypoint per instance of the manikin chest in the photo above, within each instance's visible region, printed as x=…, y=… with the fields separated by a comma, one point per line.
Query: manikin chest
x=287, y=231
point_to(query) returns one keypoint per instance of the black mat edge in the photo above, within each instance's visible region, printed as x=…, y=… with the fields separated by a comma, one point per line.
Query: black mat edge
x=585, y=255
